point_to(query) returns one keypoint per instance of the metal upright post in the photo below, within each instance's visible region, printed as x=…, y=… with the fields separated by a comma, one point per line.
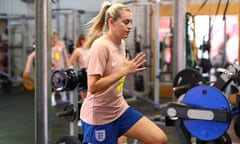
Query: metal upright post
x=179, y=45
x=74, y=19
x=24, y=39
x=9, y=50
x=157, y=57
x=57, y=15
x=43, y=69
x=73, y=99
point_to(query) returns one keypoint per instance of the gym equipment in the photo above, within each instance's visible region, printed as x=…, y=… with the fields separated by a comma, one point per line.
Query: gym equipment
x=7, y=82
x=13, y=46
x=69, y=23
x=28, y=84
x=236, y=126
x=224, y=139
x=213, y=118
x=185, y=80
x=69, y=113
x=139, y=83
x=68, y=140
x=204, y=112
x=68, y=79
x=199, y=116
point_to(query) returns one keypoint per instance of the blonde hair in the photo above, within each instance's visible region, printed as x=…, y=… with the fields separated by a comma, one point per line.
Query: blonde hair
x=99, y=23
x=54, y=34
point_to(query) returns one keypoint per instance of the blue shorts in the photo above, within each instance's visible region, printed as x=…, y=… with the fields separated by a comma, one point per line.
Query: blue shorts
x=82, y=90
x=109, y=133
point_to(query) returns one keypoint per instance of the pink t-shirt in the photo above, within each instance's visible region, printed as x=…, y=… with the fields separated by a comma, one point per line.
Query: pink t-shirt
x=59, y=56
x=82, y=57
x=108, y=105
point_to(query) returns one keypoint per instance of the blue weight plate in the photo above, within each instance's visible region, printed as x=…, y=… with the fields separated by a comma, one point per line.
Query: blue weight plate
x=204, y=96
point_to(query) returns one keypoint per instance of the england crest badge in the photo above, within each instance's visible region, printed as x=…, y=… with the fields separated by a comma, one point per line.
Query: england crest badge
x=100, y=135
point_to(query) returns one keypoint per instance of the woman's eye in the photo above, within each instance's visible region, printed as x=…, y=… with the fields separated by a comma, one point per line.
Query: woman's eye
x=126, y=22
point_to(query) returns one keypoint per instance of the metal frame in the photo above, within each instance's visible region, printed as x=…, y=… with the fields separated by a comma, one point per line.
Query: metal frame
x=76, y=15
x=76, y=24
x=42, y=91
x=13, y=21
x=179, y=7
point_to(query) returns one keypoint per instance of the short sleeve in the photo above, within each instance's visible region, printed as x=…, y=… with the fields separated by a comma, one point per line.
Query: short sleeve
x=98, y=57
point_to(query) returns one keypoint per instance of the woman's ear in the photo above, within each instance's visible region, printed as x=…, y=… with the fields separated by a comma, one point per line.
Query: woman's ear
x=110, y=22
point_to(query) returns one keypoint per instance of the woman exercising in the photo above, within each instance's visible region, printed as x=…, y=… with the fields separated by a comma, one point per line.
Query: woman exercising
x=105, y=115
x=59, y=61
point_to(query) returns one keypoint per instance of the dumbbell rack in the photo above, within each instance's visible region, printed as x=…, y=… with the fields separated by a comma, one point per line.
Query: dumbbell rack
x=71, y=113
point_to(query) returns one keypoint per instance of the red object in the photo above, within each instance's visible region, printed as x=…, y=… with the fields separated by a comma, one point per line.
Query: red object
x=4, y=58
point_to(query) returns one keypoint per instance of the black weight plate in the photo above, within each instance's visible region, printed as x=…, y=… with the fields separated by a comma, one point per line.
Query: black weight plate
x=185, y=80
x=236, y=126
x=68, y=140
x=225, y=139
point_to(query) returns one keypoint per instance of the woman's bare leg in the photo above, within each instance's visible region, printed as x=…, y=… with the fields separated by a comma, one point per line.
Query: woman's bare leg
x=122, y=140
x=147, y=132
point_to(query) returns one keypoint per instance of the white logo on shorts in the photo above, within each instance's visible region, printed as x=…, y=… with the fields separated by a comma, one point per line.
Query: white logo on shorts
x=100, y=135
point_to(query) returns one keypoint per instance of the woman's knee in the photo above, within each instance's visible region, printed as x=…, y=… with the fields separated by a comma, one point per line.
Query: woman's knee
x=163, y=139
x=158, y=139
x=152, y=135
x=122, y=140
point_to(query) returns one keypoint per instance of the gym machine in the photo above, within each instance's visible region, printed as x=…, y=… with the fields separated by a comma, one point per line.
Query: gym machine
x=13, y=46
x=68, y=80
x=202, y=110
x=69, y=24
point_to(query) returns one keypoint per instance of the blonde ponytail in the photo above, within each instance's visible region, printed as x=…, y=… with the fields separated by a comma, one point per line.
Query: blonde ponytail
x=97, y=25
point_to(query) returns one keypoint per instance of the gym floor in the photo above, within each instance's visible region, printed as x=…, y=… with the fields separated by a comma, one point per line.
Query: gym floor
x=17, y=119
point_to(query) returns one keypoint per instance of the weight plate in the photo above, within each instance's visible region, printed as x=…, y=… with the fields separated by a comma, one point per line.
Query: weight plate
x=28, y=83
x=236, y=126
x=206, y=97
x=58, y=80
x=68, y=140
x=224, y=139
x=185, y=80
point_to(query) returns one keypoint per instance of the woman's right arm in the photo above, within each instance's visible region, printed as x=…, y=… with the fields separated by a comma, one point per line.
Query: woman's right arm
x=72, y=59
x=98, y=83
x=29, y=62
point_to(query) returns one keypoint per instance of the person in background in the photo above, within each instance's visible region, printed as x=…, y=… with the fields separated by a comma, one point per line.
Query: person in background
x=80, y=57
x=59, y=61
x=105, y=114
